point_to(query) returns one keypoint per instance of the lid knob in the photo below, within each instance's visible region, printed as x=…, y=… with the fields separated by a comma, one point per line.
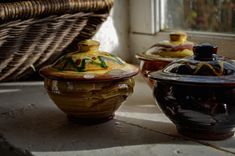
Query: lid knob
x=178, y=37
x=204, y=52
x=88, y=45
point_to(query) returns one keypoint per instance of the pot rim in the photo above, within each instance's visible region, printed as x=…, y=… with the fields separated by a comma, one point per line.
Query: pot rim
x=145, y=57
x=228, y=80
x=116, y=74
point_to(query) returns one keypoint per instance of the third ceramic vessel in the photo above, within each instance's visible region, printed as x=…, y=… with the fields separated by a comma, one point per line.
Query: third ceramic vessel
x=163, y=53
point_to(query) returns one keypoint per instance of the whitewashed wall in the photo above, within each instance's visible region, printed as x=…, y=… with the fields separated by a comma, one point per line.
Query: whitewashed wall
x=113, y=34
x=130, y=30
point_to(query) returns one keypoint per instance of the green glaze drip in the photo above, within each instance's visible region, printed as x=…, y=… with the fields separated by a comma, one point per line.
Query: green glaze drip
x=71, y=62
x=82, y=66
x=103, y=64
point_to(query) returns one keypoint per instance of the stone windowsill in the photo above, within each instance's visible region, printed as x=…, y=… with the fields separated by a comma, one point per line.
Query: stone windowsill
x=29, y=120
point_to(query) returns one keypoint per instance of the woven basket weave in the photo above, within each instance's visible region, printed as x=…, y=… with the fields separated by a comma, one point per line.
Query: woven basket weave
x=36, y=32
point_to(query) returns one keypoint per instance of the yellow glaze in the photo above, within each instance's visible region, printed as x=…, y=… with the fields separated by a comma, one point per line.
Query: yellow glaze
x=176, y=54
x=89, y=100
x=89, y=85
x=176, y=47
x=88, y=62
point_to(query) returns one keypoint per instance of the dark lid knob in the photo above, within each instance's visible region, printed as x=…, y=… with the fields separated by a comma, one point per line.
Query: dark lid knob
x=204, y=52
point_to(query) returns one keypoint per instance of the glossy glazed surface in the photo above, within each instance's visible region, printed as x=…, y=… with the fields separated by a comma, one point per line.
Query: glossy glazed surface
x=176, y=47
x=89, y=85
x=204, y=68
x=204, y=112
x=89, y=63
x=89, y=101
x=147, y=67
x=163, y=53
x=205, y=63
x=198, y=94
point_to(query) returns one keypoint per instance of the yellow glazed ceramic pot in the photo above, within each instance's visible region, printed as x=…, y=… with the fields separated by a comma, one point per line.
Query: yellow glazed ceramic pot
x=163, y=53
x=89, y=85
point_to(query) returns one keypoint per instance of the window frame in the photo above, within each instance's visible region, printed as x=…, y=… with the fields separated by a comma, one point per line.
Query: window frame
x=144, y=20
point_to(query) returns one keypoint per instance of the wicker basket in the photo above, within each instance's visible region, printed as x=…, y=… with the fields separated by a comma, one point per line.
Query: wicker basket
x=36, y=32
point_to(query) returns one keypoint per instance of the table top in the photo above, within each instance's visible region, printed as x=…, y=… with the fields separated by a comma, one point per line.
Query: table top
x=29, y=120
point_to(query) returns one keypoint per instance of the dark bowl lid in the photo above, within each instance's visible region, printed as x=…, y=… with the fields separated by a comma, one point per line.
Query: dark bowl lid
x=204, y=67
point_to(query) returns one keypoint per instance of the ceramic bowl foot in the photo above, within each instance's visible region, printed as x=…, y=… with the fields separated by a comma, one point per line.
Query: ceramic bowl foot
x=89, y=121
x=205, y=134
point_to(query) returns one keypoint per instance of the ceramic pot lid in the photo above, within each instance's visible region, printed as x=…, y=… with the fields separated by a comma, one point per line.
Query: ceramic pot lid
x=88, y=63
x=204, y=67
x=177, y=47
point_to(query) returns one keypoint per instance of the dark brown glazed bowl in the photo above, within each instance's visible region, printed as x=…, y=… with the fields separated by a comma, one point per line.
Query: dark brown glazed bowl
x=198, y=94
x=163, y=53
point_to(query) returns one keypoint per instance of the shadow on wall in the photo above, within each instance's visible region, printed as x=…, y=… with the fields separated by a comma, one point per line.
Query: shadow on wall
x=113, y=34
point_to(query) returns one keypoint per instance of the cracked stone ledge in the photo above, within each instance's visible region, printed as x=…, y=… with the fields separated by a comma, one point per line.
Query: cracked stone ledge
x=181, y=137
x=6, y=149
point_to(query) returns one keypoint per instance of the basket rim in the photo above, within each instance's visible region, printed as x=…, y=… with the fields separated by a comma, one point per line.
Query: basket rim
x=27, y=9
